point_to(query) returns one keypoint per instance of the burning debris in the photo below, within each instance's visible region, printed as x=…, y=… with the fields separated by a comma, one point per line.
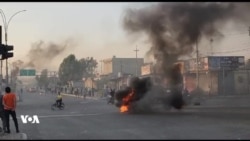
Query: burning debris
x=143, y=94
x=136, y=91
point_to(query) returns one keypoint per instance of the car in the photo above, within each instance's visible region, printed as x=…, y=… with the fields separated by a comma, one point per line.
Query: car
x=42, y=91
x=32, y=90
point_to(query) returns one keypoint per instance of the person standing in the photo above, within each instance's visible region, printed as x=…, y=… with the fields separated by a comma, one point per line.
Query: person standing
x=21, y=94
x=2, y=115
x=9, y=103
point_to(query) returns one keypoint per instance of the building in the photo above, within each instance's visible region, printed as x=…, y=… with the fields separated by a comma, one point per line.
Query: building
x=90, y=83
x=217, y=75
x=118, y=70
x=117, y=66
x=147, y=70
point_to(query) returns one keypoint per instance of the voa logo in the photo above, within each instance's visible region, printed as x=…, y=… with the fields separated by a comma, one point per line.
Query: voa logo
x=31, y=119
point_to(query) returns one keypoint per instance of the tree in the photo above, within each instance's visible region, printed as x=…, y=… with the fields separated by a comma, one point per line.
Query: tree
x=73, y=70
x=83, y=64
x=70, y=70
x=43, y=80
x=248, y=64
x=88, y=66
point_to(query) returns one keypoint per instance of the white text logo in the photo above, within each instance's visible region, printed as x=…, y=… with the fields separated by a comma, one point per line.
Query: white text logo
x=31, y=119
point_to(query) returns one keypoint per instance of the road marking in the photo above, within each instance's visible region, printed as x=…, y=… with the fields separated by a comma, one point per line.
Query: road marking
x=75, y=115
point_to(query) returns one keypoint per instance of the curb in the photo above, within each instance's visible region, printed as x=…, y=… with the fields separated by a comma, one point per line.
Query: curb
x=214, y=106
x=95, y=98
x=15, y=136
x=24, y=136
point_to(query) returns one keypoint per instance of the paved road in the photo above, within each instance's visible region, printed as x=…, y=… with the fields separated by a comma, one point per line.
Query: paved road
x=95, y=119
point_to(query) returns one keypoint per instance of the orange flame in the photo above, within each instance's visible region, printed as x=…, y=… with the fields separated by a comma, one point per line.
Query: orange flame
x=124, y=108
x=125, y=101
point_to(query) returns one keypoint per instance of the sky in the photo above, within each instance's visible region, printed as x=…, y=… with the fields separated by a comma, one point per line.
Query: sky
x=93, y=30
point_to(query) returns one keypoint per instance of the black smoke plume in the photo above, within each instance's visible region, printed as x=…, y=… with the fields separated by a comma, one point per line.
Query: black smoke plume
x=173, y=30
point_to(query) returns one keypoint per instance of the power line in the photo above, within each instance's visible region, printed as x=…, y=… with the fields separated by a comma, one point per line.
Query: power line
x=136, y=50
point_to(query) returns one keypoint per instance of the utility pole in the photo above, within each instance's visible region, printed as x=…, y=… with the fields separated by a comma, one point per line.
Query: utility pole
x=101, y=67
x=210, y=72
x=197, y=66
x=1, y=61
x=136, y=50
x=211, y=46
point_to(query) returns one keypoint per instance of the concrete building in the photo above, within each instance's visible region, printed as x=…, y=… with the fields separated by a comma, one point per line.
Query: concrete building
x=113, y=67
x=119, y=70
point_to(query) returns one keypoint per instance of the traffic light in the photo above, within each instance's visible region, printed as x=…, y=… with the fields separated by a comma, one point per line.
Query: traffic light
x=4, y=51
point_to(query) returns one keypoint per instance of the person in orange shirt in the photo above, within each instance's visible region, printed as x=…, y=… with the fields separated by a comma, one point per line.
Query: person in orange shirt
x=9, y=103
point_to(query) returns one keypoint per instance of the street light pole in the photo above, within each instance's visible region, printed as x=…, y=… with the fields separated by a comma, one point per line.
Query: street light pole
x=6, y=25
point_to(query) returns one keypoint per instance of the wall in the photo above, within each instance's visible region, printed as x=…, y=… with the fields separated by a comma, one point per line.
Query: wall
x=204, y=82
x=241, y=80
x=213, y=78
x=146, y=69
x=226, y=82
x=107, y=66
x=88, y=83
x=125, y=65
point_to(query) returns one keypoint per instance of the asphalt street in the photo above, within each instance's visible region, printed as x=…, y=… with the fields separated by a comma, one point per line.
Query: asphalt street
x=95, y=119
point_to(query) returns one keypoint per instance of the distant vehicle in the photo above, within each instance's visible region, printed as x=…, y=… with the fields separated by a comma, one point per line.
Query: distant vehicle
x=42, y=91
x=32, y=90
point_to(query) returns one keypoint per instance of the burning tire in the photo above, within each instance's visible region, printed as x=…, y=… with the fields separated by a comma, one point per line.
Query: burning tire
x=142, y=96
x=176, y=99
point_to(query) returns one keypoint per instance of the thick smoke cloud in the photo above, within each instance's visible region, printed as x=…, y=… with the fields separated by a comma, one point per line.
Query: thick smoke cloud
x=173, y=29
x=42, y=54
x=16, y=65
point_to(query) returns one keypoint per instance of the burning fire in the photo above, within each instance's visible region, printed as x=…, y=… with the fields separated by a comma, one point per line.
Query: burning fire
x=124, y=108
x=125, y=102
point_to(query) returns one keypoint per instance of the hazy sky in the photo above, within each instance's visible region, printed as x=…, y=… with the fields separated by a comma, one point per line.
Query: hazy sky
x=94, y=29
